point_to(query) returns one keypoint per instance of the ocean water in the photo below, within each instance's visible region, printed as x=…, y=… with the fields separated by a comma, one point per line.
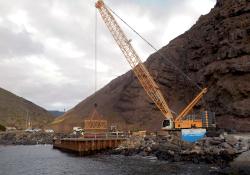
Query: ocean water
x=44, y=160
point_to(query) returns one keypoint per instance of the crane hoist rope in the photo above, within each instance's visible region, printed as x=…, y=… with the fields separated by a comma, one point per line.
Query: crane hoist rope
x=95, y=50
x=154, y=48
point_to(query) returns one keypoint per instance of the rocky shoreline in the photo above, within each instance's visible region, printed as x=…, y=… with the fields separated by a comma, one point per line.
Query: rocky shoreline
x=220, y=151
x=26, y=138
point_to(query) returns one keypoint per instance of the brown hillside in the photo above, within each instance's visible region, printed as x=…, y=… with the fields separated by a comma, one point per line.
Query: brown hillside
x=13, y=111
x=215, y=53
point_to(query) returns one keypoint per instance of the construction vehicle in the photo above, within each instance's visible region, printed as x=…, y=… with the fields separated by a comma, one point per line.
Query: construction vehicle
x=152, y=89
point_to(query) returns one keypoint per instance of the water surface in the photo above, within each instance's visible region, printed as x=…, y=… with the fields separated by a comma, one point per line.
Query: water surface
x=44, y=160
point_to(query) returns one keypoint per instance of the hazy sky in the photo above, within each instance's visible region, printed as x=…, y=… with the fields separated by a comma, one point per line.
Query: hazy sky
x=47, y=46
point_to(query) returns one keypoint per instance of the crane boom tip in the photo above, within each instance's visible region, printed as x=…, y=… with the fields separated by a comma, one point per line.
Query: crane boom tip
x=99, y=4
x=204, y=90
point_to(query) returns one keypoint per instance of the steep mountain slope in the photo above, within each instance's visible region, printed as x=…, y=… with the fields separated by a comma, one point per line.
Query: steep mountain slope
x=14, y=109
x=215, y=53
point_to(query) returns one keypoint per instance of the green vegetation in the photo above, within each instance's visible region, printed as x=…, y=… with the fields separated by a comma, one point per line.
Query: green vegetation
x=2, y=128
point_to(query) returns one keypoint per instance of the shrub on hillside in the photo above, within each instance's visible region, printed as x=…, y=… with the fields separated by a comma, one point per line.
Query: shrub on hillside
x=2, y=128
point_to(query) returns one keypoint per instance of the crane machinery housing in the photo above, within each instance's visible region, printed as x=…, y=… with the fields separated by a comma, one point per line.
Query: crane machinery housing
x=171, y=122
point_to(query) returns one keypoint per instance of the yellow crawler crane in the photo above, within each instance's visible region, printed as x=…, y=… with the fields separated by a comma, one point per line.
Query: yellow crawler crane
x=146, y=79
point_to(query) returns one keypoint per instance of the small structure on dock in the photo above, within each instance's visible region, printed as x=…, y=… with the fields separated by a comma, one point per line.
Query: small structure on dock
x=95, y=123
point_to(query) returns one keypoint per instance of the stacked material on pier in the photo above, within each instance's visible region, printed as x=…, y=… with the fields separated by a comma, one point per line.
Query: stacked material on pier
x=95, y=123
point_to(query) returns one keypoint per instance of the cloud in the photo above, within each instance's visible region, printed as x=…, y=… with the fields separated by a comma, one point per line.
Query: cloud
x=175, y=27
x=200, y=7
x=17, y=43
x=47, y=47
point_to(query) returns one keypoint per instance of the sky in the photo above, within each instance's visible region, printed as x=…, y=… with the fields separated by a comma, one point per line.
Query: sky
x=47, y=47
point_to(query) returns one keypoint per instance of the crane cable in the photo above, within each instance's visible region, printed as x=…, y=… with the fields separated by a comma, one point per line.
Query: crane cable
x=95, y=62
x=95, y=50
x=154, y=48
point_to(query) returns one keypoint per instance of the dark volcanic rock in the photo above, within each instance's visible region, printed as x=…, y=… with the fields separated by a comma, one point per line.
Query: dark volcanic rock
x=216, y=150
x=215, y=53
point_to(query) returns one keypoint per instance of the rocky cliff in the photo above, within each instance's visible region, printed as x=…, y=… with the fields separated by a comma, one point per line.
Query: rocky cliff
x=215, y=53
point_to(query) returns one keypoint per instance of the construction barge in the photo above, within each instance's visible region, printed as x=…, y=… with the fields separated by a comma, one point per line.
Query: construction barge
x=87, y=146
x=94, y=137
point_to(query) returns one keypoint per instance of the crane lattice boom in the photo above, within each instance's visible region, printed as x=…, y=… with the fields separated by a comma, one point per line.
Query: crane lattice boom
x=135, y=62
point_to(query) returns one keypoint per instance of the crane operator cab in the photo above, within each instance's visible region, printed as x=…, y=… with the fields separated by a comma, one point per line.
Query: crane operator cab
x=167, y=124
